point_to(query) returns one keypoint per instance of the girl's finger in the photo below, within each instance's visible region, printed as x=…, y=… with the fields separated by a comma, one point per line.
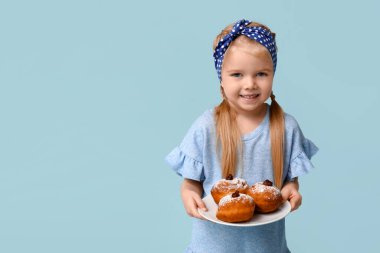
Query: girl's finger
x=197, y=215
x=295, y=202
x=292, y=205
x=193, y=210
x=200, y=203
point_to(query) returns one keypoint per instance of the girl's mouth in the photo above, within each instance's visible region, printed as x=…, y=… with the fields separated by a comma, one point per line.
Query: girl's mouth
x=250, y=96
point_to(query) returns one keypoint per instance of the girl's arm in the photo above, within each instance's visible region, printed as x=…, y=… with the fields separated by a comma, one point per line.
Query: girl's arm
x=290, y=192
x=191, y=192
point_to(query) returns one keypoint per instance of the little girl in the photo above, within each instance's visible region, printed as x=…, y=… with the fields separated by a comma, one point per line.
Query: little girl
x=243, y=136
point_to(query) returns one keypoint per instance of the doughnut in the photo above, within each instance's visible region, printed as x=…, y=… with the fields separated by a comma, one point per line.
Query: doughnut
x=235, y=207
x=267, y=197
x=227, y=186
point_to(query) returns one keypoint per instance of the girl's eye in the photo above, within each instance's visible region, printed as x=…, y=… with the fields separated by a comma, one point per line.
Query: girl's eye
x=261, y=74
x=236, y=75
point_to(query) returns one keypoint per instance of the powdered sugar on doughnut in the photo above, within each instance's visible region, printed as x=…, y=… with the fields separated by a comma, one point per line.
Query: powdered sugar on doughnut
x=261, y=188
x=244, y=198
x=227, y=185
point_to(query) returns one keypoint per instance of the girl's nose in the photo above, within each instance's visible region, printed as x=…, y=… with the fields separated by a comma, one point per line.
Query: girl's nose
x=250, y=83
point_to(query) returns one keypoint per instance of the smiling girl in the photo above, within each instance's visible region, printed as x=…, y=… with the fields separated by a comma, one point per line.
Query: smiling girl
x=243, y=136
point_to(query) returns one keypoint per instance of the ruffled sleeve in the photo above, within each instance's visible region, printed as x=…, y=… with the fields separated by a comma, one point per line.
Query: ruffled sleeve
x=184, y=165
x=187, y=159
x=302, y=150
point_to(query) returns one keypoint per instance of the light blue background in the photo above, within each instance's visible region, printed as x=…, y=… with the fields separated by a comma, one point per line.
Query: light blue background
x=94, y=94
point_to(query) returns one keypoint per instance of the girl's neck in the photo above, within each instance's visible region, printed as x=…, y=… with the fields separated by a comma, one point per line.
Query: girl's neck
x=249, y=122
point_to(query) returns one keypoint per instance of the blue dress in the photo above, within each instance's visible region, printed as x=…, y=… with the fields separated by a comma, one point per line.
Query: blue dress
x=196, y=158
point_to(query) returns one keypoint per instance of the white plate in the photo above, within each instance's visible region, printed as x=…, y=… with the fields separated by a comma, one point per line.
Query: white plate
x=257, y=220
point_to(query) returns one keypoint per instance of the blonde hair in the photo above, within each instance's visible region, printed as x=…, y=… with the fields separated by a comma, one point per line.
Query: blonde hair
x=227, y=131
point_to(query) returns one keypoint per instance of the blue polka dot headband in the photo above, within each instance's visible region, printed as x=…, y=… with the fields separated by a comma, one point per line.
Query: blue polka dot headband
x=256, y=33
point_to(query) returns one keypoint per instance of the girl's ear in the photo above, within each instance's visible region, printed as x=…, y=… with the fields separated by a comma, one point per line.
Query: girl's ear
x=222, y=91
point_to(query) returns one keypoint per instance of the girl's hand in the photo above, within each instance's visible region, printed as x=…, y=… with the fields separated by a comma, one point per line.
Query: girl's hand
x=191, y=192
x=290, y=192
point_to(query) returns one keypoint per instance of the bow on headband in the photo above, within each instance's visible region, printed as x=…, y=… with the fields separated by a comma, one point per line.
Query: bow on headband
x=256, y=33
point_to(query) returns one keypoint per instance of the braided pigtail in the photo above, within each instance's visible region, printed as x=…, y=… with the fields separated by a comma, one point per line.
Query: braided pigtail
x=228, y=137
x=277, y=133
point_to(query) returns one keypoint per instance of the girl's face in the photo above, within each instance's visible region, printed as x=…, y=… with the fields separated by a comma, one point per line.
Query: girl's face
x=247, y=77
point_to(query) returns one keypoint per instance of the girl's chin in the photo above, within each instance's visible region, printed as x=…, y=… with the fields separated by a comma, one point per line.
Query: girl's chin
x=244, y=109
